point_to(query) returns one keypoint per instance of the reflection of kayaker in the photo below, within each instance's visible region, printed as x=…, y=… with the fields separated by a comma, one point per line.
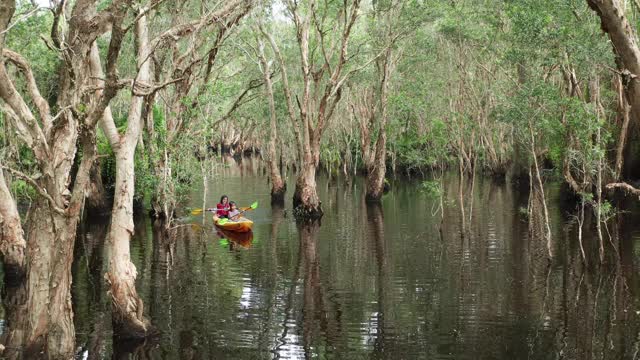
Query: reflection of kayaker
x=243, y=239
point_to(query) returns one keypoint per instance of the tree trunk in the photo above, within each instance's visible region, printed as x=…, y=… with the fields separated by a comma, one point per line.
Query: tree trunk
x=376, y=174
x=278, y=186
x=624, y=43
x=127, y=307
x=61, y=338
x=40, y=239
x=305, y=197
x=12, y=243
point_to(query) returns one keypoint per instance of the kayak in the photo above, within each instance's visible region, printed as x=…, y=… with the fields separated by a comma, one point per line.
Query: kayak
x=243, y=225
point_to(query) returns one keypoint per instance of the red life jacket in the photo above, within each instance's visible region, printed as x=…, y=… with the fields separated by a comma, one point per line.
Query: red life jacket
x=221, y=212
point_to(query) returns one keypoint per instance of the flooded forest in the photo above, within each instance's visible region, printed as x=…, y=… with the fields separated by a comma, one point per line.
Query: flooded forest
x=297, y=179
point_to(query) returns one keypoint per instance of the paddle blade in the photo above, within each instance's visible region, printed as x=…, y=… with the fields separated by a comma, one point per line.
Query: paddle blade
x=254, y=205
x=196, y=211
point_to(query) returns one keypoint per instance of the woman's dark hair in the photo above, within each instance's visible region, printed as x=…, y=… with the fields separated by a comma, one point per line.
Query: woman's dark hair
x=232, y=203
x=222, y=198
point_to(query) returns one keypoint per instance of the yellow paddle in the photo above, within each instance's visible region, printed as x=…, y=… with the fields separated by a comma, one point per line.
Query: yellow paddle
x=252, y=207
x=200, y=211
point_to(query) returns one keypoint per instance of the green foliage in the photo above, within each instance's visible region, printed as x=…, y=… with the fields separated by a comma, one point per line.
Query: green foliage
x=23, y=38
x=22, y=191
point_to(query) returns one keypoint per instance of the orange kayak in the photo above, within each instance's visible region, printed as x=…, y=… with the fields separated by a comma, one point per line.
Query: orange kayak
x=243, y=225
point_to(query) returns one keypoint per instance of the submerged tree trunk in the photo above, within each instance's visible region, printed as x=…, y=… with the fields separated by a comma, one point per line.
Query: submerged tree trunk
x=127, y=306
x=305, y=197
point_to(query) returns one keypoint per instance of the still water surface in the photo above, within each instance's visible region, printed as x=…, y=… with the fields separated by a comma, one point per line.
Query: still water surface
x=398, y=281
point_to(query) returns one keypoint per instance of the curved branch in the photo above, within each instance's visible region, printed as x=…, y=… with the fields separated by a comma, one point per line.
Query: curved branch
x=41, y=104
x=182, y=30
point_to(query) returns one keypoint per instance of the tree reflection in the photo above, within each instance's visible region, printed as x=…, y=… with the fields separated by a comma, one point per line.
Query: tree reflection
x=14, y=299
x=312, y=311
x=375, y=220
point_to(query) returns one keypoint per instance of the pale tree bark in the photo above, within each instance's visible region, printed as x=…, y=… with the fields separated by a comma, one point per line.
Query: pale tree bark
x=127, y=307
x=278, y=186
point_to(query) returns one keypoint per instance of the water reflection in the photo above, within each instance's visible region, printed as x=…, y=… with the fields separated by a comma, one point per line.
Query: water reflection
x=385, y=282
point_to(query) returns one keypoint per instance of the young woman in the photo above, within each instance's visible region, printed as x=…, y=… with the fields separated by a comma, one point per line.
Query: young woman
x=223, y=207
x=233, y=211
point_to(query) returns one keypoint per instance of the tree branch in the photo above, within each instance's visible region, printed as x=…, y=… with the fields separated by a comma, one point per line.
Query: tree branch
x=624, y=186
x=37, y=187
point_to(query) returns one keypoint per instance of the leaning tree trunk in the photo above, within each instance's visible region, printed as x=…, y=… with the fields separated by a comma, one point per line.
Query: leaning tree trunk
x=12, y=243
x=127, y=307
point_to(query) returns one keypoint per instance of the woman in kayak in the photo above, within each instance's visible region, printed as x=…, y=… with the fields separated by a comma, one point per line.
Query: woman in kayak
x=223, y=207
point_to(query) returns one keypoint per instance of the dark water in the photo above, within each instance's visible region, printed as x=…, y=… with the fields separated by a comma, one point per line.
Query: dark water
x=398, y=281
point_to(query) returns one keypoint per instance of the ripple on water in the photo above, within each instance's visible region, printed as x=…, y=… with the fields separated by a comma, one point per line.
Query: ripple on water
x=393, y=282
